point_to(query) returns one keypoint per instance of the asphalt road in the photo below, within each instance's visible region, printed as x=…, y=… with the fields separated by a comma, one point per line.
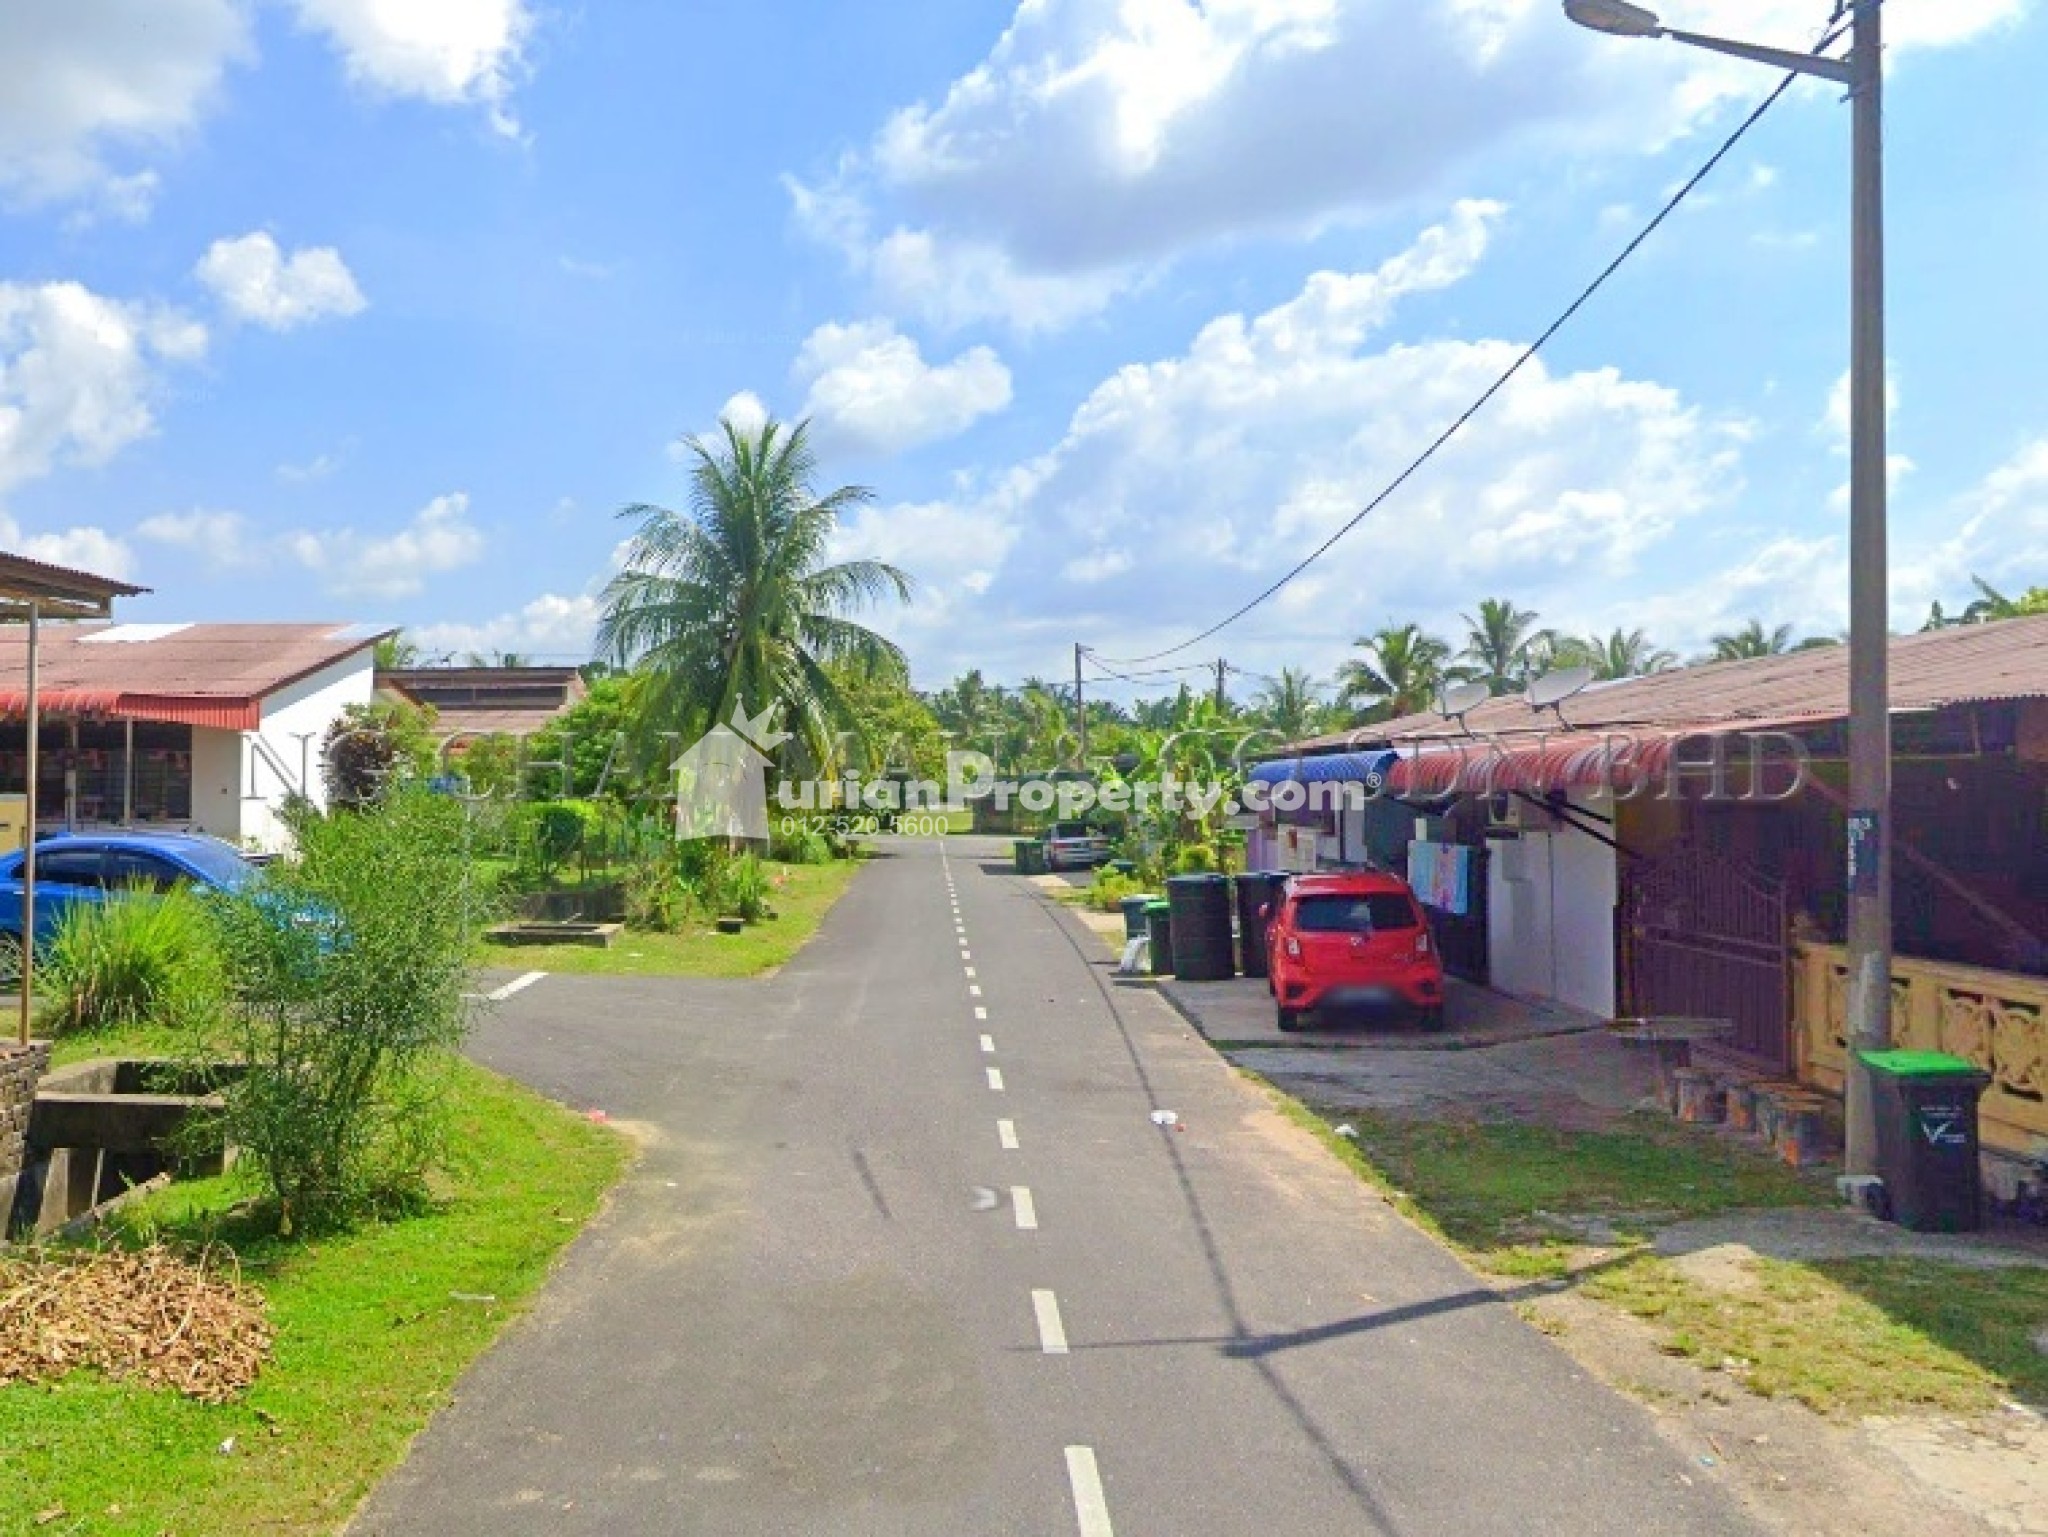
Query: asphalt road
x=908, y=1255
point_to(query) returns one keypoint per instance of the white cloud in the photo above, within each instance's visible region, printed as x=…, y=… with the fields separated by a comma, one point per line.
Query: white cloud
x=1184, y=484
x=89, y=88
x=871, y=389
x=1997, y=531
x=449, y=52
x=440, y=538
x=319, y=467
x=219, y=536
x=1834, y=425
x=1788, y=579
x=1100, y=138
x=255, y=281
x=552, y=625
x=1097, y=566
x=85, y=548
x=77, y=372
x=84, y=86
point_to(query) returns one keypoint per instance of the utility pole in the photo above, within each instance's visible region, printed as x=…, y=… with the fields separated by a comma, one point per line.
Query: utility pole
x=1869, y=872
x=1080, y=705
x=1222, y=684
x=1870, y=749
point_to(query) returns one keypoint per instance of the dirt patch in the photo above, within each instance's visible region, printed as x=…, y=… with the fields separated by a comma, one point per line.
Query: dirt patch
x=1799, y=1473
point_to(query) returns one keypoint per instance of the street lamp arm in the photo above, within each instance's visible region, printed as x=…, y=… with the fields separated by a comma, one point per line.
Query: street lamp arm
x=1841, y=71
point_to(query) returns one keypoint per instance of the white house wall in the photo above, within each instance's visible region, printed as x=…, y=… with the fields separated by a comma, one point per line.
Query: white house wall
x=217, y=778
x=1582, y=922
x=1550, y=915
x=240, y=779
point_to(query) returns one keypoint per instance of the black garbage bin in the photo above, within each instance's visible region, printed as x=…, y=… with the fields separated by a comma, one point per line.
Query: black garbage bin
x=1926, y=1112
x=1255, y=891
x=1159, y=936
x=1202, y=946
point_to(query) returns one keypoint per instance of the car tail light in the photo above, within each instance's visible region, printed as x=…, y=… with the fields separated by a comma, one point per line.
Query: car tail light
x=1422, y=943
x=1293, y=948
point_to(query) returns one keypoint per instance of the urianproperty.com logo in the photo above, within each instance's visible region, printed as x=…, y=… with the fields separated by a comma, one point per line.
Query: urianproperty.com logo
x=725, y=784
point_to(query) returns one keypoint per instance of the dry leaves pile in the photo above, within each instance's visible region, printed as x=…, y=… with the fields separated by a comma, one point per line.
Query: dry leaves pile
x=147, y=1316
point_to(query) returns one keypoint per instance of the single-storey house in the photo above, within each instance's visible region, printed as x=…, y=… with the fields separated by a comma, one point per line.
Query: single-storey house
x=1675, y=844
x=470, y=702
x=201, y=726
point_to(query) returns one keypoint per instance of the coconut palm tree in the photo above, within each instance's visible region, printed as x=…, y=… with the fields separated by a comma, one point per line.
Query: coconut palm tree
x=1399, y=674
x=1990, y=604
x=1752, y=640
x=394, y=653
x=733, y=603
x=1623, y=654
x=1497, y=643
x=1291, y=703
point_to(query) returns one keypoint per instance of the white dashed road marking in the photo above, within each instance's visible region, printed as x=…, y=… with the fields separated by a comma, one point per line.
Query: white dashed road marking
x=1091, y=1509
x=1052, y=1334
x=1006, y=1135
x=988, y=1043
x=995, y=1079
x=980, y=1012
x=516, y=985
x=1020, y=1202
x=973, y=990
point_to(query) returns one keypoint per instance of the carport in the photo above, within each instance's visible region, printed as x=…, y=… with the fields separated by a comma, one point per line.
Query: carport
x=31, y=592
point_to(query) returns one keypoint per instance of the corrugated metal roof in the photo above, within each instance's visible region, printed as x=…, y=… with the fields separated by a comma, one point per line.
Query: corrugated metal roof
x=200, y=674
x=59, y=589
x=1970, y=664
x=466, y=723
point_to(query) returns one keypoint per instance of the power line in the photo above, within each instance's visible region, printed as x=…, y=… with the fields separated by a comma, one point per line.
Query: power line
x=1528, y=356
x=1151, y=673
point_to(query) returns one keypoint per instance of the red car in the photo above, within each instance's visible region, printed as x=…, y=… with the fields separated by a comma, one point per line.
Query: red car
x=1357, y=941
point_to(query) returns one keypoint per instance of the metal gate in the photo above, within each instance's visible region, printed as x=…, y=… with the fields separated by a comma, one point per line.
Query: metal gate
x=1709, y=937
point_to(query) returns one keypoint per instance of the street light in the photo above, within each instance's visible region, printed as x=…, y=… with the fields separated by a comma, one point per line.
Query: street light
x=1870, y=761
x=1616, y=17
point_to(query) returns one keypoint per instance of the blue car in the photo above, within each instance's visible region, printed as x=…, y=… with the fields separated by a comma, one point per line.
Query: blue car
x=86, y=867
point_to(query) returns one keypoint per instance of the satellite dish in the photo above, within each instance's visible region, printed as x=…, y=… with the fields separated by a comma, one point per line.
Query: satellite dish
x=1554, y=688
x=1460, y=700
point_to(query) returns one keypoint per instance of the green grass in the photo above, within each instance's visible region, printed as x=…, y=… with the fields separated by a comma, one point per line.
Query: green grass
x=1865, y=1336
x=370, y=1340
x=1852, y=1337
x=806, y=894
x=1497, y=1188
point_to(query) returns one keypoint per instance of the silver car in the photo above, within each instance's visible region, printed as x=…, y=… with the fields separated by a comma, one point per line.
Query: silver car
x=1074, y=846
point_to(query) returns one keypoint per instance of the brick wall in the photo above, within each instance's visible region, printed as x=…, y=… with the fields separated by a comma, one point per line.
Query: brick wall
x=21, y=1068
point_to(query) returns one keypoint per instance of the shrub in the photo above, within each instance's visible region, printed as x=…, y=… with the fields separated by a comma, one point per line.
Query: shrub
x=1110, y=888
x=372, y=747
x=745, y=889
x=802, y=844
x=558, y=832
x=656, y=896
x=1195, y=859
x=137, y=959
x=347, y=969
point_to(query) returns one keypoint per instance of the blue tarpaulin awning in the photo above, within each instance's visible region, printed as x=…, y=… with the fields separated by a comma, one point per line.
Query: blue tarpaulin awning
x=1368, y=768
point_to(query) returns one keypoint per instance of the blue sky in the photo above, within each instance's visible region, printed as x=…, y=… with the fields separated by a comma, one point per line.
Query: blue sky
x=368, y=310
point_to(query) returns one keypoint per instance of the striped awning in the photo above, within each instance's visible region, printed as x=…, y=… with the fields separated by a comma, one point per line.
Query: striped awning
x=1578, y=760
x=222, y=712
